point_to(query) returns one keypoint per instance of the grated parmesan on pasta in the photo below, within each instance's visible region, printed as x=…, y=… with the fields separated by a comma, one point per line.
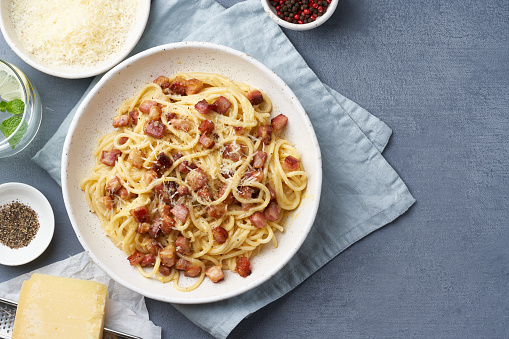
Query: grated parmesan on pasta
x=73, y=32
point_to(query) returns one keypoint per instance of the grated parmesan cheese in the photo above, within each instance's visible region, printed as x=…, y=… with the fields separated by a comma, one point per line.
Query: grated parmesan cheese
x=79, y=33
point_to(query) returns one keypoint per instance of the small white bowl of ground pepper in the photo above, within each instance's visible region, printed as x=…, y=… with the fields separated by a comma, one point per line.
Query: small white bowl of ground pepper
x=26, y=223
x=300, y=15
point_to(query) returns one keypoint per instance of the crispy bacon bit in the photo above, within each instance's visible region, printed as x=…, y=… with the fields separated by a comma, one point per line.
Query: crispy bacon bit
x=183, y=245
x=171, y=116
x=136, y=158
x=203, y=107
x=193, y=86
x=215, y=273
x=146, y=105
x=259, y=159
x=272, y=212
x=206, y=141
x=163, y=224
x=122, y=140
x=206, y=126
x=149, y=176
x=279, y=122
x=231, y=152
x=181, y=124
x=164, y=209
x=140, y=214
x=162, y=81
x=258, y=220
x=113, y=185
x=107, y=201
x=166, y=191
x=167, y=224
x=155, y=228
x=110, y=157
x=155, y=129
x=164, y=160
x=227, y=173
x=197, y=179
x=136, y=258
x=178, y=86
x=220, y=234
x=239, y=130
x=204, y=193
x=265, y=133
x=272, y=193
x=164, y=271
x=124, y=194
x=190, y=269
x=246, y=192
x=291, y=164
x=177, y=156
x=148, y=260
x=243, y=267
x=144, y=227
x=168, y=255
x=180, y=212
x=186, y=167
x=134, y=116
x=255, y=97
x=230, y=198
x=216, y=211
x=155, y=113
x=221, y=105
x=183, y=190
x=251, y=175
x=121, y=121
x=153, y=247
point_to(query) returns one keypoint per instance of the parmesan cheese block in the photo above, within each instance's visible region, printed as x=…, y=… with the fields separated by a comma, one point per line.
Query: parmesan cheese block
x=56, y=307
x=79, y=33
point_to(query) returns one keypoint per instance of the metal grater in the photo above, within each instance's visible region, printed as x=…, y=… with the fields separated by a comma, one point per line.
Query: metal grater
x=8, y=311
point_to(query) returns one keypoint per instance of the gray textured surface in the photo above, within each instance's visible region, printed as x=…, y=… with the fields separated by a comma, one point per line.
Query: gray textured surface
x=438, y=74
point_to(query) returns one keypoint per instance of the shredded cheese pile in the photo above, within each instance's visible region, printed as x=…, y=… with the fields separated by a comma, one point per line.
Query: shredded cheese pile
x=78, y=33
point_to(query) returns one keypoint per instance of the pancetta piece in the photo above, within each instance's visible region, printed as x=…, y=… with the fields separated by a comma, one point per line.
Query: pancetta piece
x=186, y=167
x=181, y=124
x=265, y=133
x=193, y=86
x=230, y=199
x=153, y=247
x=180, y=212
x=134, y=114
x=155, y=113
x=149, y=176
x=216, y=211
x=206, y=141
x=136, y=158
x=164, y=271
x=143, y=227
x=197, y=179
x=279, y=122
x=146, y=105
x=168, y=255
x=220, y=234
x=178, y=86
x=243, y=267
x=148, y=260
x=190, y=269
x=206, y=126
x=203, y=107
x=155, y=129
x=162, y=81
x=204, y=193
x=107, y=201
x=215, y=273
x=272, y=211
x=221, y=105
x=259, y=159
x=239, y=130
x=291, y=164
x=258, y=219
x=183, y=245
x=183, y=190
x=164, y=160
x=124, y=194
x=122, y=140
x=140, y=214
x=255, y=97
x=232, y=152
x=110, y=157
x=121, y=121
x=113, y=185
x=136, y=258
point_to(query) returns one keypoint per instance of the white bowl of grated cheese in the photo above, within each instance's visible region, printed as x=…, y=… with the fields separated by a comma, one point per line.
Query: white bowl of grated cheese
x=78, y=40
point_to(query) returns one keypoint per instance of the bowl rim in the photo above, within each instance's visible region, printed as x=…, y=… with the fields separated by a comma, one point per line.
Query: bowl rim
x=128, y=47
x=65, y=185
x=300, y=27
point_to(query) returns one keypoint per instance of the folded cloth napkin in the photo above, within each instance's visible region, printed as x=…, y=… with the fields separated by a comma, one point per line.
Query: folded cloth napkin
x=361, y=191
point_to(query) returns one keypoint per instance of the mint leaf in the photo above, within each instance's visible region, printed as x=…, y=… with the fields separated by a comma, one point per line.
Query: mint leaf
x=3, y=105
x=8, y=127
x=16, y=106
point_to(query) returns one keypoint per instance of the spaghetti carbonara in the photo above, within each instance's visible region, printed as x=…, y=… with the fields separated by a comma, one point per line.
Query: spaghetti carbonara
x=195, y=178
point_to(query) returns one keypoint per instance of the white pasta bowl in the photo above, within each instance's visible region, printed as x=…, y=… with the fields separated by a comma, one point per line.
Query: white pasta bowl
x=74, y=71
x=93, y=118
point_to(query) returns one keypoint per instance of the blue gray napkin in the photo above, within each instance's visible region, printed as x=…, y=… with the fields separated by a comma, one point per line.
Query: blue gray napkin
x=361, y=192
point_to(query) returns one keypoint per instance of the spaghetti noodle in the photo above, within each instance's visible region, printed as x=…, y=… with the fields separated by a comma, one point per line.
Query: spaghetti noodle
x=195, y=177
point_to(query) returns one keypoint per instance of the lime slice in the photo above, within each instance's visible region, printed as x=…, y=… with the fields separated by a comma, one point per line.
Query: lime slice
x=10, y=88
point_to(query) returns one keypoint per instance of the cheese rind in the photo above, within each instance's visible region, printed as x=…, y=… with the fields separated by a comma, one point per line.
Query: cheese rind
x=57, y=307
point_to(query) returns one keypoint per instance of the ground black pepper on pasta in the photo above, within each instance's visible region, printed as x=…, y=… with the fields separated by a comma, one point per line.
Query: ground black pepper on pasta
x=18, y=224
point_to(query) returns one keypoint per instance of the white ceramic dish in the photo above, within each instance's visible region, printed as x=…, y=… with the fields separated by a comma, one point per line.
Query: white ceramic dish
x=93, y=119
x=28, y=195
x=70, y=72
x=271, y=11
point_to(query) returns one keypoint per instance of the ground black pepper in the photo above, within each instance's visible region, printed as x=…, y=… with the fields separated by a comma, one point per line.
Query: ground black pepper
x=18, y=224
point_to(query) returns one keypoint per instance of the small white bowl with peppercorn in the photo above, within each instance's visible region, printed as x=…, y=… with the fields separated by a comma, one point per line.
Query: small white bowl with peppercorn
x=300, y=15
